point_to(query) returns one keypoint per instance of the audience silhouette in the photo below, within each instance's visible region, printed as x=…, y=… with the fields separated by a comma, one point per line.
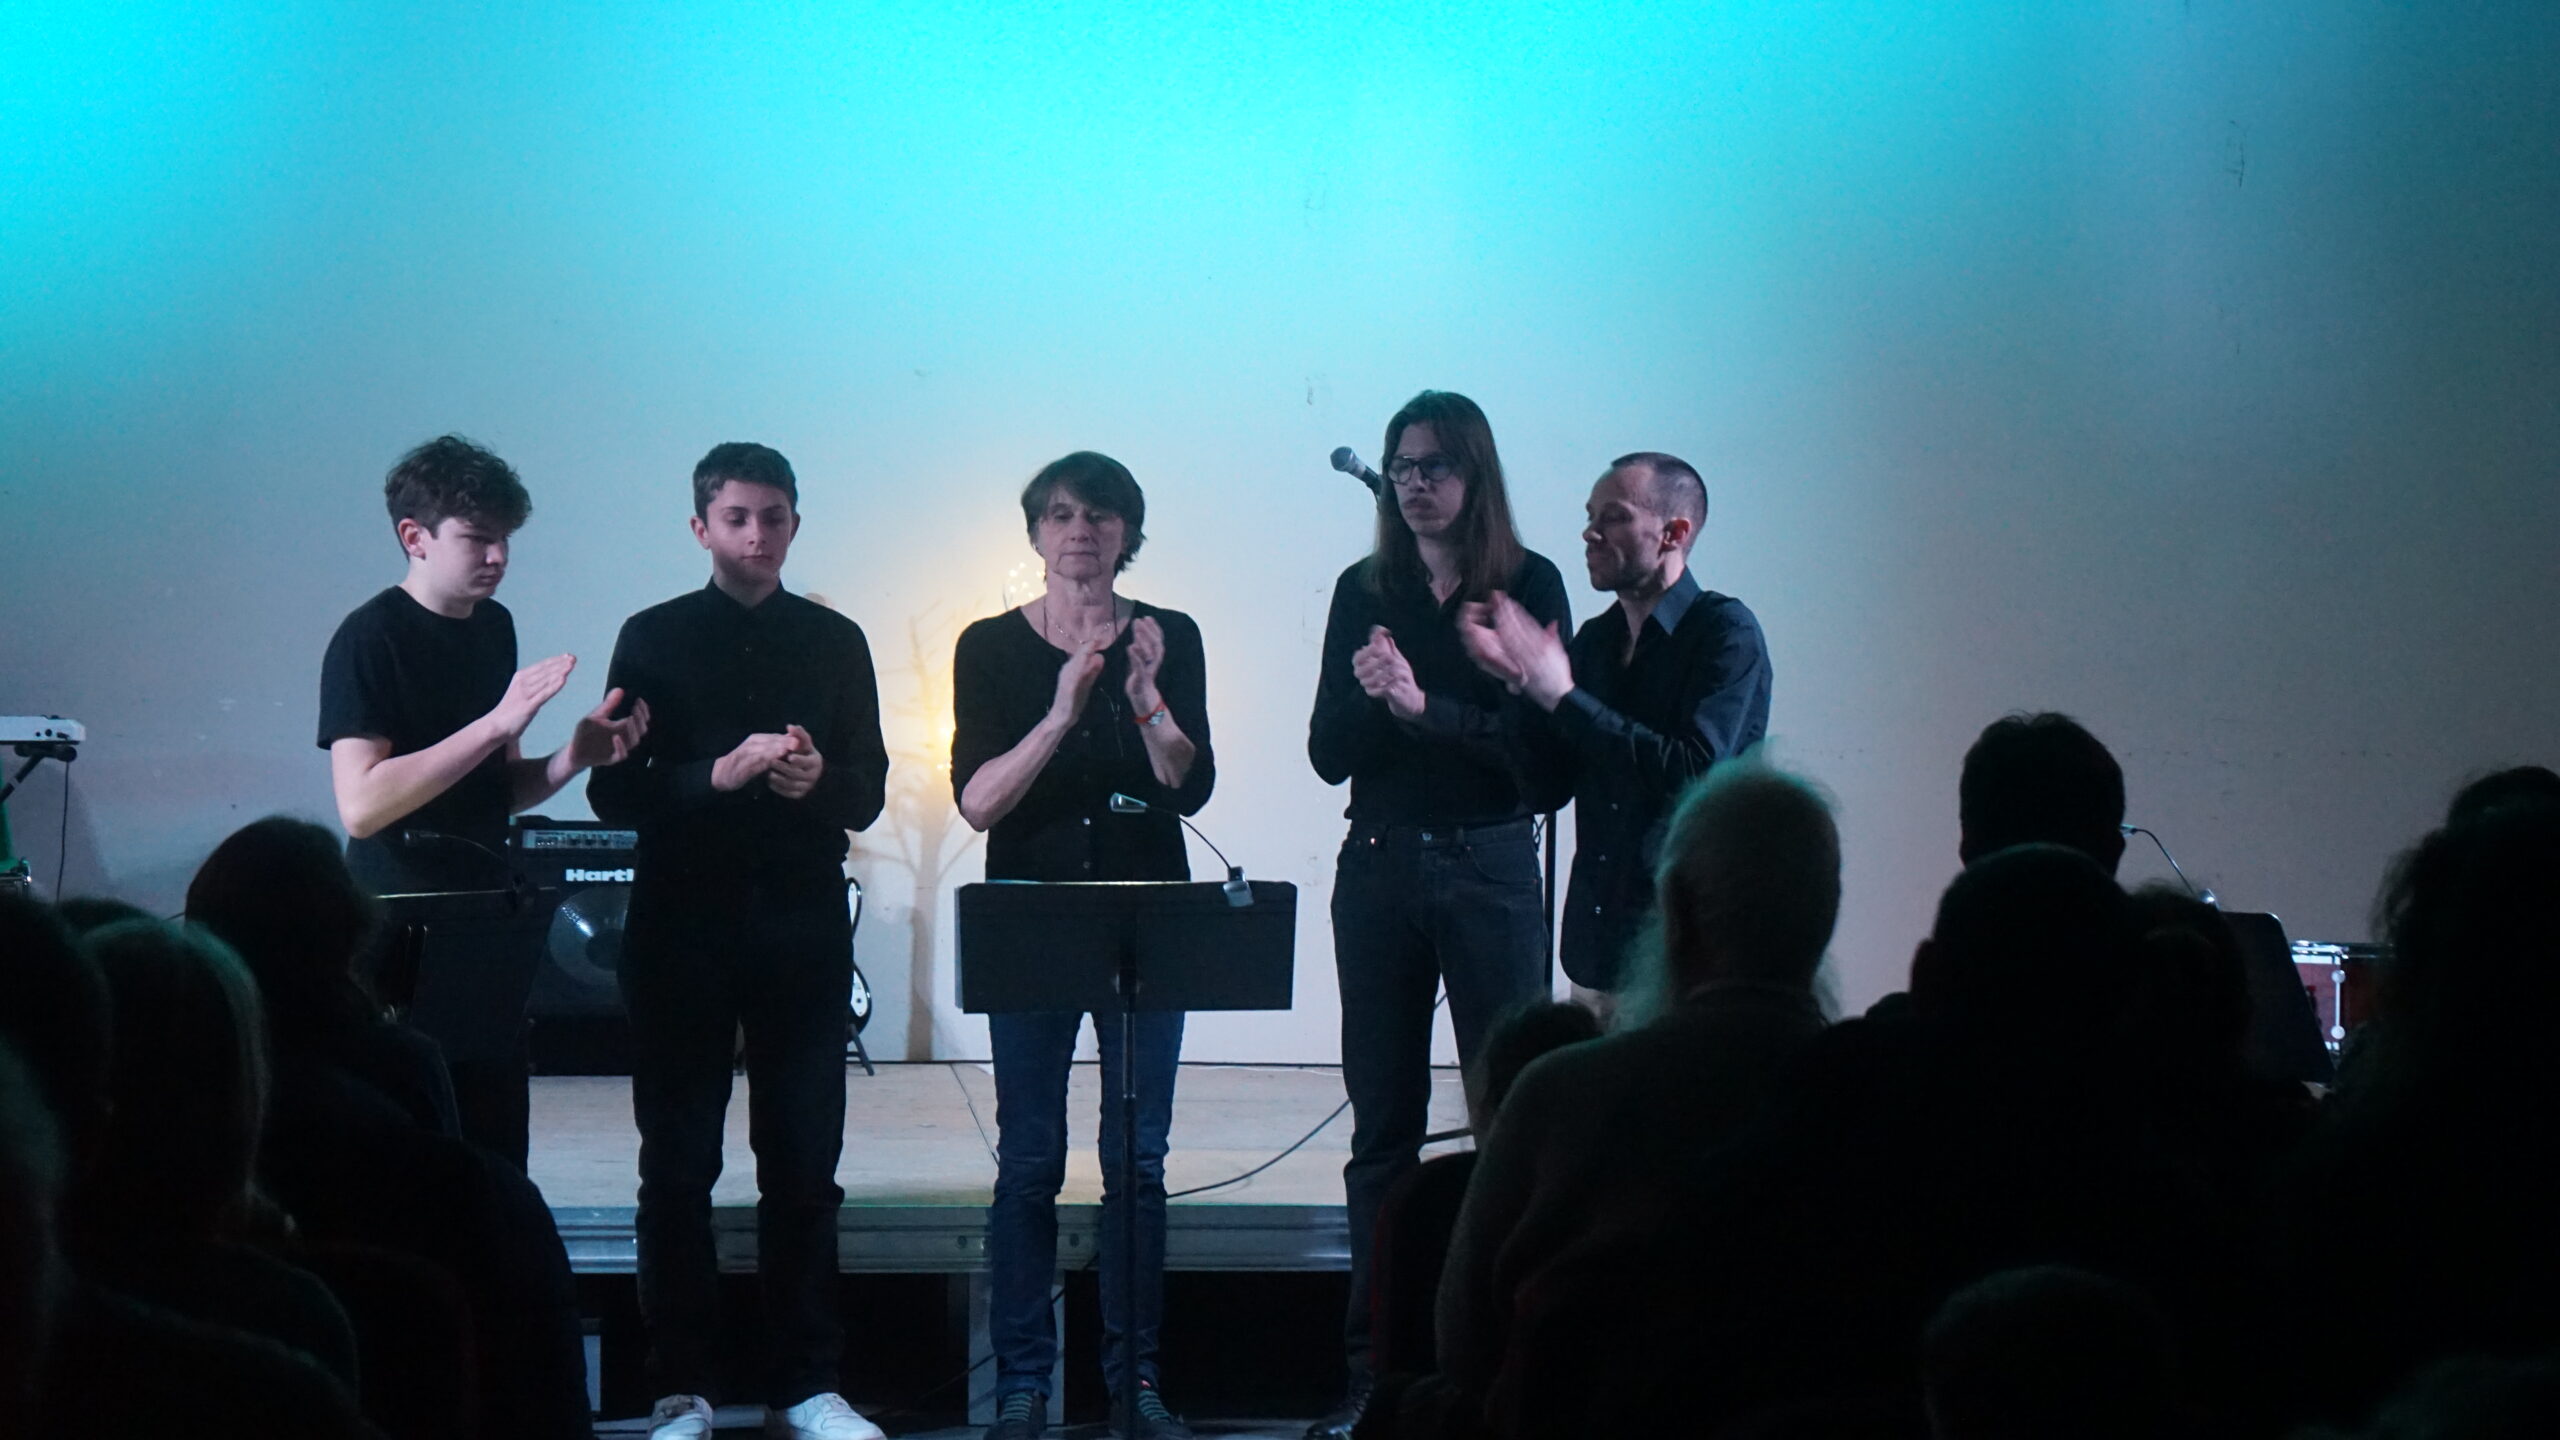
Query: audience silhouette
x=2043, y=1193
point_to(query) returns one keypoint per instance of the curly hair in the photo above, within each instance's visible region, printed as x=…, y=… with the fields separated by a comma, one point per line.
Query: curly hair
x=450, y=476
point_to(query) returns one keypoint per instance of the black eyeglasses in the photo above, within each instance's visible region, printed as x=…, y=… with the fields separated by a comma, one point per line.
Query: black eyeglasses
x=1432, y=470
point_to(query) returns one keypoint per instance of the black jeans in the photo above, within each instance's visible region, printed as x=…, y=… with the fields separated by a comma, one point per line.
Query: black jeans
x=696, y=966
x=1415, y=907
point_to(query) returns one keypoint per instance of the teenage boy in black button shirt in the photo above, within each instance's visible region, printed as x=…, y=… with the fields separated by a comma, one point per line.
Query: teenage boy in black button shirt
x=1438, y=881
x=1653, y=690
x=764, y=750
x=423, y=713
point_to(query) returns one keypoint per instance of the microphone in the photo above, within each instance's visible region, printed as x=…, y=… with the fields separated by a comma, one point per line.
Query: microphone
x=2202, y=893
x=1347, y=460
x=1239, y=892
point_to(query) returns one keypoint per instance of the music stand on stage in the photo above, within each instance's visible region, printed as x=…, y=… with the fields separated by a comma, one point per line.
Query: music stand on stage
x=459, y=966
x=1122, y=947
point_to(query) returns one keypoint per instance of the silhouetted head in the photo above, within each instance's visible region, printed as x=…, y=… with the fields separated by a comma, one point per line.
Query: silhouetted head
x=2504, y=789
x=2040, y=779
x=2473, y=1397
x=30, y=1256
x=2472, y=913
x=190, y=1085
x=84, y=913
x=279, y=893
x=53, y=1009
x=2049, y=1351
x=1525, y=1032
x=2189, y=989
x=2034, y=940
x=1747, y=889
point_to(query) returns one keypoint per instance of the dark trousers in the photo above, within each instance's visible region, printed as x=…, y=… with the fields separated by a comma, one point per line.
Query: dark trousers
x=1414, y=908
x=464, y=985
x=1031, y=1058
x=696, y=967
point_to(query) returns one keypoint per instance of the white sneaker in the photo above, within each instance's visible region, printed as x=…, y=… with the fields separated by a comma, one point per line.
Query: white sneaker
x=820, y=1417
x=681, y=1417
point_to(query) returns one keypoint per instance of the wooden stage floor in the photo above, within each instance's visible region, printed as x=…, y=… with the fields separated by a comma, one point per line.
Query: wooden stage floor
x=919, y=1161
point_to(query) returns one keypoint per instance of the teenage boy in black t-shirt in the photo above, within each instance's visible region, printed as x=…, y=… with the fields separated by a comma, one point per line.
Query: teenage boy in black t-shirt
x=423, y=713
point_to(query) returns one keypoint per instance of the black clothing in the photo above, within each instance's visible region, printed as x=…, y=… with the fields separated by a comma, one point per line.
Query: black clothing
x=1640, y=728
x=352, y=1168
x=399, y=671
x=1474, y=755
x=738, y=918
x=122, y=1367
x=235, y=1286
x=1438, y=882
x=1004, y=674
x=715, y=672
x=694, y=969
x=406, y=674
x=1414, y=910
x=1410, y=1251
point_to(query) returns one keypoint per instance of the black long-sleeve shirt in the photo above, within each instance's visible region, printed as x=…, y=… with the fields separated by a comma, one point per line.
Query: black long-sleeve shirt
x=1640, y=727
x=1475, y=754
x=1004, y=675
x=714, y=672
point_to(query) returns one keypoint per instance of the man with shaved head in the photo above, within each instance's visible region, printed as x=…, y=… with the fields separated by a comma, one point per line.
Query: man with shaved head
x=1652, y=691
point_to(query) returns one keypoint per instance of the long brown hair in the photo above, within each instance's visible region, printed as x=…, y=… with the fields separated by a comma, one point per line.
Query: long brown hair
x=1488, y=543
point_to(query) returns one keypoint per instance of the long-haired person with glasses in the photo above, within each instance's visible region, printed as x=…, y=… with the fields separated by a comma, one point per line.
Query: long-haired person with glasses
x=1437, y=883
x=1056, y=706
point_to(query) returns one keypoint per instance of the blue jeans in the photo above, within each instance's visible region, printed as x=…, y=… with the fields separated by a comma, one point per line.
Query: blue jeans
x=1414, y=908
x=1031, y=1057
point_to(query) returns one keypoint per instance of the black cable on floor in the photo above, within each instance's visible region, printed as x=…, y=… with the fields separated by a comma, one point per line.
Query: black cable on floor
x=1267, y=1164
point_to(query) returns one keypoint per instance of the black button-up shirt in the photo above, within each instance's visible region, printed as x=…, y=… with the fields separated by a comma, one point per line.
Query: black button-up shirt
x=1474, y=754
x=1640, y=727
x=714, y=672
x=1004, y=674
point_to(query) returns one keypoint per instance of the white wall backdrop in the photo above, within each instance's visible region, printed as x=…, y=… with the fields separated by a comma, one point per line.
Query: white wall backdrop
x=2191, y=366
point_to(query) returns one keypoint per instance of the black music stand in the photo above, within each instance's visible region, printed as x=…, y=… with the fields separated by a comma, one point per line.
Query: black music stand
x=459, y=966
x=1124, y=947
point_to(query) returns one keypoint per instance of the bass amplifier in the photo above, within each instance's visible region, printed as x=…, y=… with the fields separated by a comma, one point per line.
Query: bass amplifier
x=590, y=864
x=579, y=1027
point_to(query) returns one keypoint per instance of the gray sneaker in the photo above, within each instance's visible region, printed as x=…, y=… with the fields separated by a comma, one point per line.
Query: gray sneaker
x=1022, y=1415
x=1155, y=1422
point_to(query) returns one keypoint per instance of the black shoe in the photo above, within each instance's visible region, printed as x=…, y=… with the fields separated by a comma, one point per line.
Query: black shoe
x=1155, y=1422
x=1022, y=1415
x=1337, y=1425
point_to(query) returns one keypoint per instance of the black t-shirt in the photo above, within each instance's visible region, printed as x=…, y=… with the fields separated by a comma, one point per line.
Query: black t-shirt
x=400, y=671
x=1004, y=674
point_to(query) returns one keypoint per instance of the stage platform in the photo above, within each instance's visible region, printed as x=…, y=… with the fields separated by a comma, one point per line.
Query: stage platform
x=918, y=1168
x=919, y=1164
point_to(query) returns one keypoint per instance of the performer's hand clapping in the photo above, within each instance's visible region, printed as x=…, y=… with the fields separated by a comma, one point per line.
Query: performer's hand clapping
x=1075, y=682
x=1146, y=657
x=1386, y=675
x=1483, y=644
x=795, y=772
x=530, y=690
x=1536, y=652
x=599, y=739
x=754, y=756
